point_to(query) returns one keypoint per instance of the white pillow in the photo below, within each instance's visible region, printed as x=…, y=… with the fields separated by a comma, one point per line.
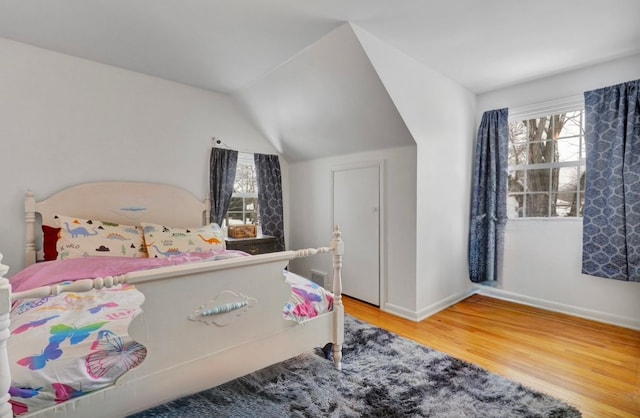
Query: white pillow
x=86, y=237
x=164, y=241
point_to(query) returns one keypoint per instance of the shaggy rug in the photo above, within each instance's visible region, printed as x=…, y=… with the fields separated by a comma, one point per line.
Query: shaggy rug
x=383, y=375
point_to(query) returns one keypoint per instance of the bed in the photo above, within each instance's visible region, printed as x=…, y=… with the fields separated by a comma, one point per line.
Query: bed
x=197, y=318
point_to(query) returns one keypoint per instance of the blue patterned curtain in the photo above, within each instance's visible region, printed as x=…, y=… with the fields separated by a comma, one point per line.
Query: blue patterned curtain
x=611, y=223
x=270, y=197
x=489, y=196
x=222, y=174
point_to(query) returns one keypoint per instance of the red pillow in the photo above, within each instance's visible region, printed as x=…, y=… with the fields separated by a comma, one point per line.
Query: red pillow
x=50, y=237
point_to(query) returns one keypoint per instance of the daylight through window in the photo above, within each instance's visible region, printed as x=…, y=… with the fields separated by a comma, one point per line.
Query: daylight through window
x=547, y=166
x=243, y=208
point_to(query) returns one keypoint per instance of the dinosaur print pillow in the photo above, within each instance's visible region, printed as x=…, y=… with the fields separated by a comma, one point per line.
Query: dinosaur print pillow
x=164, y=241
x=87, y=238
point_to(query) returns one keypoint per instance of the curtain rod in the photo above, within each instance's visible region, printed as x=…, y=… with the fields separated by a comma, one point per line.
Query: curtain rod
x=219, y=143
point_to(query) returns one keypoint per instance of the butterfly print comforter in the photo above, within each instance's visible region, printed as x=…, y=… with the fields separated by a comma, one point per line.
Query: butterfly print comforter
x=307, y=299
x=64, y=346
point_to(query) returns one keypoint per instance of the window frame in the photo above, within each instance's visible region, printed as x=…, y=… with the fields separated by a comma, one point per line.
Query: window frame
x=245, y=159
x=547, y=109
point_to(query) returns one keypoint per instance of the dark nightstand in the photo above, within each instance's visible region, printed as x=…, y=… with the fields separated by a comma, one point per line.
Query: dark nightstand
x=259, y=245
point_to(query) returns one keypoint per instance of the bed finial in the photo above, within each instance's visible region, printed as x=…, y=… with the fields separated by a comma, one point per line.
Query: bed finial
x=337, y=244
x=3, y=268
x=30, y=230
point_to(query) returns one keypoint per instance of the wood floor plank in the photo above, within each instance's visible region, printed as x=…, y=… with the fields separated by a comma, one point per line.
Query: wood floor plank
x=591, y=365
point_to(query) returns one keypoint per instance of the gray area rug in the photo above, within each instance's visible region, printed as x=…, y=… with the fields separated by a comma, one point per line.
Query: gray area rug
x=383, y=375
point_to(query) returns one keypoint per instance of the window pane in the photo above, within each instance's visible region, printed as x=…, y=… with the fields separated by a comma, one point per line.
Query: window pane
x=518, y=139
x=251, y=204
x=243, y=208
x=565, y=204
x=568, y=179
x=235, y=218
x=553, y=142
x=539, y=129
x=516, y=181
x=571, y=124
x=538, y=180
x=251, y=217
x=515, y=205
x=235, y=205
x=537, y=205
x=568, y=149
x=541, y=152
x=245, y=181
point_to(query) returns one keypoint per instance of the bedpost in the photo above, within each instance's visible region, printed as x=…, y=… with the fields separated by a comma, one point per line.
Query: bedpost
x=30, y=255
x=338, y=307
x=5, y=376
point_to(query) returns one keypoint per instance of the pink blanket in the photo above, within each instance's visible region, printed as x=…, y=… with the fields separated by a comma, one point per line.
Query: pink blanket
x=57, y=271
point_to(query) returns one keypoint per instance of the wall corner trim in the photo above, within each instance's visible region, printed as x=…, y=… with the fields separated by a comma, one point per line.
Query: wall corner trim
x=430, y=310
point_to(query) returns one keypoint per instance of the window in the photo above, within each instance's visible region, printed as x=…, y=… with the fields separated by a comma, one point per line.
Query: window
x=243, y=208
x=547, y=166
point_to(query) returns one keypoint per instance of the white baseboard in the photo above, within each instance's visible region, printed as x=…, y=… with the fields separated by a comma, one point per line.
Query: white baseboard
x=400, y=311
x=607, y=318
x=626, y=322
x=432, y=309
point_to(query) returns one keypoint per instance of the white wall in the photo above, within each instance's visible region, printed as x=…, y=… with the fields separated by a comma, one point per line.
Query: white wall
x=66, y=120
x=543, y=257
x=312, y=216
x=440, y=115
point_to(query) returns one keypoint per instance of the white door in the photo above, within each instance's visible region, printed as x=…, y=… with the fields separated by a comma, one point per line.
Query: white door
x=356, y=208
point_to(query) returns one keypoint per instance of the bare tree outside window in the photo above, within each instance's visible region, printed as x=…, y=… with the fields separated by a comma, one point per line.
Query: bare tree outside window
x=546, y=166
x=243, y=208
x=245, y=179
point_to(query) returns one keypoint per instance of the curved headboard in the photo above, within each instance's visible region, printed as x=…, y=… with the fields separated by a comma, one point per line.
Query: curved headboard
x=119, y=202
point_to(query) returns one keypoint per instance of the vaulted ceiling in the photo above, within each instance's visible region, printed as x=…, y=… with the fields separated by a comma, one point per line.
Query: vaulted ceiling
x=320, y=101
x=297, y=66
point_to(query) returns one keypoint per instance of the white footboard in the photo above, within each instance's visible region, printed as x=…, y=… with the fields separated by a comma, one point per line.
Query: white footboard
x=203, y=324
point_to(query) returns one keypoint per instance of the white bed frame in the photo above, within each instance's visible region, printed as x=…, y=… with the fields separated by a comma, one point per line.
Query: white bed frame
x=193, y=355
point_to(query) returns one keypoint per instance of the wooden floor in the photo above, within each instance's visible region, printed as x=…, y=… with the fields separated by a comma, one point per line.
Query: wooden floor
x=592, y=366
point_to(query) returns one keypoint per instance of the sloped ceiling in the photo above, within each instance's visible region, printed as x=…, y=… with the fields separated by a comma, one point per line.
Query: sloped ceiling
x=224, y=45
x=327, y=100
x=300, y=72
